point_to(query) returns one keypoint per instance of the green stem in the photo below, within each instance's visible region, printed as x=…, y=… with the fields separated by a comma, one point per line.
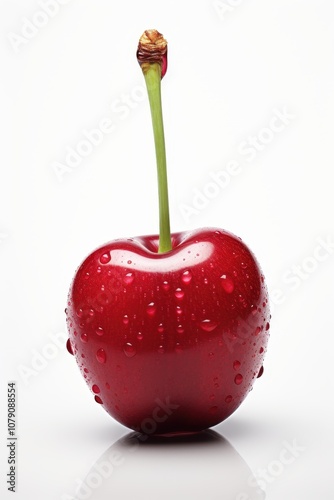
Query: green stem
x=152, y=74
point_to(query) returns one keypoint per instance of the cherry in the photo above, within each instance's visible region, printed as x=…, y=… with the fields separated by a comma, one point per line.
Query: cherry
x=169, y=331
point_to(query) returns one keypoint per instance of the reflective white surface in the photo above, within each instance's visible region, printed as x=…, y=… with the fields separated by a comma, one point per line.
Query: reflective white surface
x=248, y=107
x=134, y=467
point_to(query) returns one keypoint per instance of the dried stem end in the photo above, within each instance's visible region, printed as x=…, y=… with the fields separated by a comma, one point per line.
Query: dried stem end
x=152, y=48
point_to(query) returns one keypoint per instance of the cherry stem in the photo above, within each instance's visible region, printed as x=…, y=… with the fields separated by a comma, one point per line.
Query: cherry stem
x=151, y=62
x=153, y=84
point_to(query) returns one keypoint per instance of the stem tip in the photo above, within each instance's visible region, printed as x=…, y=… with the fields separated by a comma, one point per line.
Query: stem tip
x=152, y=48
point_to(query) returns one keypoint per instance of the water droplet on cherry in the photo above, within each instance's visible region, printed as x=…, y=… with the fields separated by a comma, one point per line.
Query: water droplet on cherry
x=179, y=294
x=140, y=336
x=101, y=356
x=79, y=312
x=178, y=348
x=267, y=326
x=186, y=277
x=99, y=331
x=96, y=389
x=207, y=325
x=105, y=258
x=160, y=328
x=151, y=309
x=180, y=329
x=261, y=350
x=69, y=346
x=213, y=409
x=178, y=311
x=228, y=399
x=227, y=283
x=238, y=379
x=128, y=278
x=125, y=319
x=166, y=286
x=84, y=338
x=236, y=365
x=161, y=349
x=129, y=350
x=98, y=400
x=260, y=372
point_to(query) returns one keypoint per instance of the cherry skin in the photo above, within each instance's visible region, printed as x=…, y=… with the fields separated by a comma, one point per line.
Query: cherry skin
x=170, y=342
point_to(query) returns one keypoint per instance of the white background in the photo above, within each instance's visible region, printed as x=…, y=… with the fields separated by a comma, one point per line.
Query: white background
x=232, y=66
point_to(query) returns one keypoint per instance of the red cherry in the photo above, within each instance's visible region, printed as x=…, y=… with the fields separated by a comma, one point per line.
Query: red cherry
x=138, y=364
x=170, y=330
